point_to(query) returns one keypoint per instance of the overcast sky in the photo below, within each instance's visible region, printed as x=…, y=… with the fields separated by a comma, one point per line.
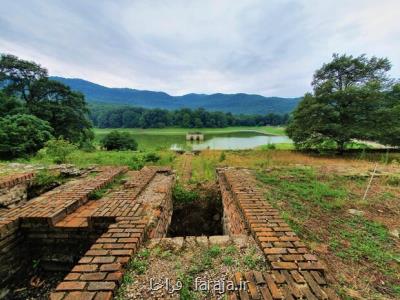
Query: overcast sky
x=264, y=47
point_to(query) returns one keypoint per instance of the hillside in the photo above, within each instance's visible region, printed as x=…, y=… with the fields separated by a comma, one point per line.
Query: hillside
x=234, y=103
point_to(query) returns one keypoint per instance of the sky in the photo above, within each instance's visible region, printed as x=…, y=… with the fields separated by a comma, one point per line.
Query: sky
x=267, y=47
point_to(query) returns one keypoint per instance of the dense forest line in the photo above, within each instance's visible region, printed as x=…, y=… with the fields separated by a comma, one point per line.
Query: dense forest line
x=107, y=116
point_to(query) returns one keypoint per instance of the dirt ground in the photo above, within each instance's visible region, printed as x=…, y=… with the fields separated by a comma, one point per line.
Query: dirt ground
x=187, y=265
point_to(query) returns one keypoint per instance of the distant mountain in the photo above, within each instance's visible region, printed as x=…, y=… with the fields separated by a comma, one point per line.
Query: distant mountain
x=234, y=103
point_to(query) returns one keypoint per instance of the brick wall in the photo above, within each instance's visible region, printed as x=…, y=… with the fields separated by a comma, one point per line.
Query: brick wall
x=12, y=251
x=59, y=248
x=13, y=189
x=142, y=210
x=22, y=227
x=295, y=273
x=233, y=221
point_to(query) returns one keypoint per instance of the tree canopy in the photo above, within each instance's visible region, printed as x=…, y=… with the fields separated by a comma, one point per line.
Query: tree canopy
x=353, y=98
x=116, y=140
x=52, y=101
x=105, y=116
x=22, y=134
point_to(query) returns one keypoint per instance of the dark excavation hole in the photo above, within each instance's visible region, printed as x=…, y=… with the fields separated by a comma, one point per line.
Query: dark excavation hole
x=196, y=213
x=46, y=264
x=43, y=182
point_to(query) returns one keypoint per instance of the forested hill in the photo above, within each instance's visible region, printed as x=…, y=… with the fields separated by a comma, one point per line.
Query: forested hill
x=234, y=103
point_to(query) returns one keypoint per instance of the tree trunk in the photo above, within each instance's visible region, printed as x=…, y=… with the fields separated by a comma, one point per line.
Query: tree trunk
x=341, y=147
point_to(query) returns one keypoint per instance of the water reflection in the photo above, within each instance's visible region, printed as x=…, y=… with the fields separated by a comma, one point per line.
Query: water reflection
x=232, y=141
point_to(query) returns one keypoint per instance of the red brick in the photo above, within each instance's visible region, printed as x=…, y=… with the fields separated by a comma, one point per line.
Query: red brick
x=70, y=286
x=101, y=286
x=56, y=296
x=72, y=276
x=116, y=276
x=120, y=235
x=284, y=265
x=85, y=260
x=128, y=240
x=268, y=239
x=96, y=252
x=103, y=296
x=104, y=259
x=311, y=266
x=113, y=246
x=93, y=276
x=106, y=240
x=292, y=257
x=110, y=267
x=130, y=246
x=85, y=268
x=275, y=251
x=80, y=296
x=125, y=252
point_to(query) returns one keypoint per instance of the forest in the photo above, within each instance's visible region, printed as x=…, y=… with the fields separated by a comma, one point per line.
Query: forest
x=109, y=116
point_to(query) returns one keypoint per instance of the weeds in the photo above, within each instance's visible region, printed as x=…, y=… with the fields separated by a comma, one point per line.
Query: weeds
x=366, y=240
x=140, y=263
x=182, y=195
x=99, y=193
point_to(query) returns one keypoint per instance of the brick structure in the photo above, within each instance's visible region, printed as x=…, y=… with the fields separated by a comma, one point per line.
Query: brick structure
x=13, y=189
x=295, y=272
x=233, y=220
x=142, y=210
x=33, y=221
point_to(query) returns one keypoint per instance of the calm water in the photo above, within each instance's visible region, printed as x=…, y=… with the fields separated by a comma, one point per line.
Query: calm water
x=225, y=141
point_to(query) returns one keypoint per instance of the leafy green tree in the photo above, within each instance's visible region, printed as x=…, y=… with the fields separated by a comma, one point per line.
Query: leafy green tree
x=116, y=140
x=49, y=100
x=22, y=135
x=59, y=149
x=10, y=105
x=347, y=93
x=387, y=118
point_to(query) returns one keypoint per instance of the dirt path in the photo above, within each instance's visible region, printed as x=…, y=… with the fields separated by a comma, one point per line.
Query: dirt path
x=184, y=167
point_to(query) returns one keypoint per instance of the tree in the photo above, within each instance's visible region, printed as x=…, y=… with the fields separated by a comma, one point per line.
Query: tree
x=22, y=135
x=10, y=105
x=59, y=149
x=347, y=93
x=49, y=100
x=116, y=140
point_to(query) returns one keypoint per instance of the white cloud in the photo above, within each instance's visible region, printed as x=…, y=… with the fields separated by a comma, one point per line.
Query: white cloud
x=267, y=47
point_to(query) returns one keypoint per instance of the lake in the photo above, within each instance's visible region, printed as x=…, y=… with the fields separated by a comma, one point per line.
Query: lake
x=213, y=141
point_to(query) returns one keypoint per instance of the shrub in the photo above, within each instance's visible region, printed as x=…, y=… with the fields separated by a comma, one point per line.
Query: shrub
x=21, y=135
x=181, y=195
x=271, y=146
x=116, y=140
x=59, y=149
x=222, y=157
x=151, y=157
x=87, y=146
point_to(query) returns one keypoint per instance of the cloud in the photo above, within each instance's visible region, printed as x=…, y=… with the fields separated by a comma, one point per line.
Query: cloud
x=266, y=47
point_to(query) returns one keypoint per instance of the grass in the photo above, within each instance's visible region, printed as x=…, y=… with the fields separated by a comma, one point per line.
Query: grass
x=367, y=240
x=300, y=185
x=133, y=159
x=360, y=250
x=203, y=168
